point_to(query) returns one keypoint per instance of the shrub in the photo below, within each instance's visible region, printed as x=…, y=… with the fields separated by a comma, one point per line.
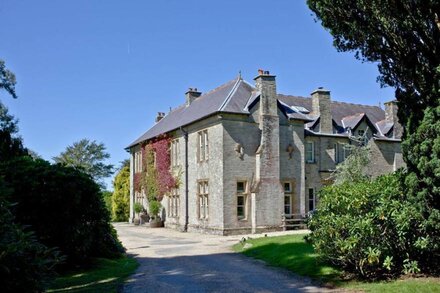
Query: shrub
x=64, y=207
x=370, y=228
x=155, y=207
x=25, y=264
x=121, y=195
x=138, y=207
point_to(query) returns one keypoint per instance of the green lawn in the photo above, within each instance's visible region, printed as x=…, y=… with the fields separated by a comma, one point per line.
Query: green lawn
x=293, y=253
x=103, y=276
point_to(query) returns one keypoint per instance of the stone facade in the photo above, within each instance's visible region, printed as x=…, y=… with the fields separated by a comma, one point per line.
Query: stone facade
x=261, y=163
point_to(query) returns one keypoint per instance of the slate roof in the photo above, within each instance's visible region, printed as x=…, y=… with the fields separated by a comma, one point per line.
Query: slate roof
x=230, y=97
x=237, y=96
x=384, y=126
x=340, y=110
x=352, y=121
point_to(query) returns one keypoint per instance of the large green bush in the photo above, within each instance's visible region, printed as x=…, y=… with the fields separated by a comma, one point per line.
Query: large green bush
x=371, y=229
x=64, y=207
x=25, y=264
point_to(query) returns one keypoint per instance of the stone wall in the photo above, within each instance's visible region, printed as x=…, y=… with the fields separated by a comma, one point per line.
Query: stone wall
x=238, y=166
x=386, y=157
x=292, y=165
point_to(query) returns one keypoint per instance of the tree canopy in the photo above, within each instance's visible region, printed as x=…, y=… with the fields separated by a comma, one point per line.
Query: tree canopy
x=89, y=156
x=10, y=143
x=403, y=37
x=7, y=80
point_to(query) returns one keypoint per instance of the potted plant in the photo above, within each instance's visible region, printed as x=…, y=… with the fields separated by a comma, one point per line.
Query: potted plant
x=137, y=209
x=155, y=220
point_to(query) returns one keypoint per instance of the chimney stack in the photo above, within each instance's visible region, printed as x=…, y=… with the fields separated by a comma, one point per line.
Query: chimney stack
x=391, y=117
x=191, y=95
x=267, y=171
x=321, y=106
x=265, y=83
x=159, y=116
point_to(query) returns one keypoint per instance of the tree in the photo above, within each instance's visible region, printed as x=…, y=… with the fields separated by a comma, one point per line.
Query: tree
x=353, y=169
x=121, y=195
x=403, y=38
x=7, y=80
x=10, y=143
x=107, y=198
x=88, y=156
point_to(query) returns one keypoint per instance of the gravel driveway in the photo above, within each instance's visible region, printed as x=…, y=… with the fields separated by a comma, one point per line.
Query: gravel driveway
x=172, y=261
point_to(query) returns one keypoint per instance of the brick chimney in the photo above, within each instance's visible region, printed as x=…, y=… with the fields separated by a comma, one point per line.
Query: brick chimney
x=159, y=116
x=391, y=117
x=191, y=95
x=321, y=106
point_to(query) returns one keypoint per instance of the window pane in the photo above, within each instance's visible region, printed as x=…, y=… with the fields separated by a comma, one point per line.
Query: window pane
x=287, y=209
x=309, y=152
x=240, y=187
x=240, y=200
x=287, y=200
x=311, y=199
x=240, y=212
x=287, y=187
x=206, y=144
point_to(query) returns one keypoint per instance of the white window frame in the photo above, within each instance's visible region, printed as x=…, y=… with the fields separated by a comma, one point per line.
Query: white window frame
x=203, y=198
x=312, y=152
x=175, y=153
x=244, y=194
x=173, y=203
x=138, y=161
x=287, y=193
x=203, y=145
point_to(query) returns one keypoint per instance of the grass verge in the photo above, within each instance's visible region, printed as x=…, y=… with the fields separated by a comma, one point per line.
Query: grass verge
x=293, y=253
x=104, y=275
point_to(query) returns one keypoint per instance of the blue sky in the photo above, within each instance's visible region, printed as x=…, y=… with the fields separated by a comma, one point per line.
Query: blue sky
x=103, y=69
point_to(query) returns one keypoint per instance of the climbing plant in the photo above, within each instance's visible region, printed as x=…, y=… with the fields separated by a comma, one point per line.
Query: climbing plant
x=156, y=178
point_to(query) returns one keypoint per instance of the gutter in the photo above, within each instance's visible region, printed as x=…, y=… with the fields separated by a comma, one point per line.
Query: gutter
x=185, y=135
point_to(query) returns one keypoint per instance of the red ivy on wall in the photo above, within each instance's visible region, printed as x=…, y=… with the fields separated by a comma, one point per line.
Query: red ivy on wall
x=165, y=179
x=137, y=181
x=160, y=165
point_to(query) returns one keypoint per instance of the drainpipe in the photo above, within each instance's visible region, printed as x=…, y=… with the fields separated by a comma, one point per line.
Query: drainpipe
x=185, y=135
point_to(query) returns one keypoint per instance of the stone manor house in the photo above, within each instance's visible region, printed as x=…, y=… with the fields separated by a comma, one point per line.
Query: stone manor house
x=247, y=154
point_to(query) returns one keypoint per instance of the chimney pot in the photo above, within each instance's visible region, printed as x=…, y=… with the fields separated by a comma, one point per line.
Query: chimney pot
x=260, y=71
